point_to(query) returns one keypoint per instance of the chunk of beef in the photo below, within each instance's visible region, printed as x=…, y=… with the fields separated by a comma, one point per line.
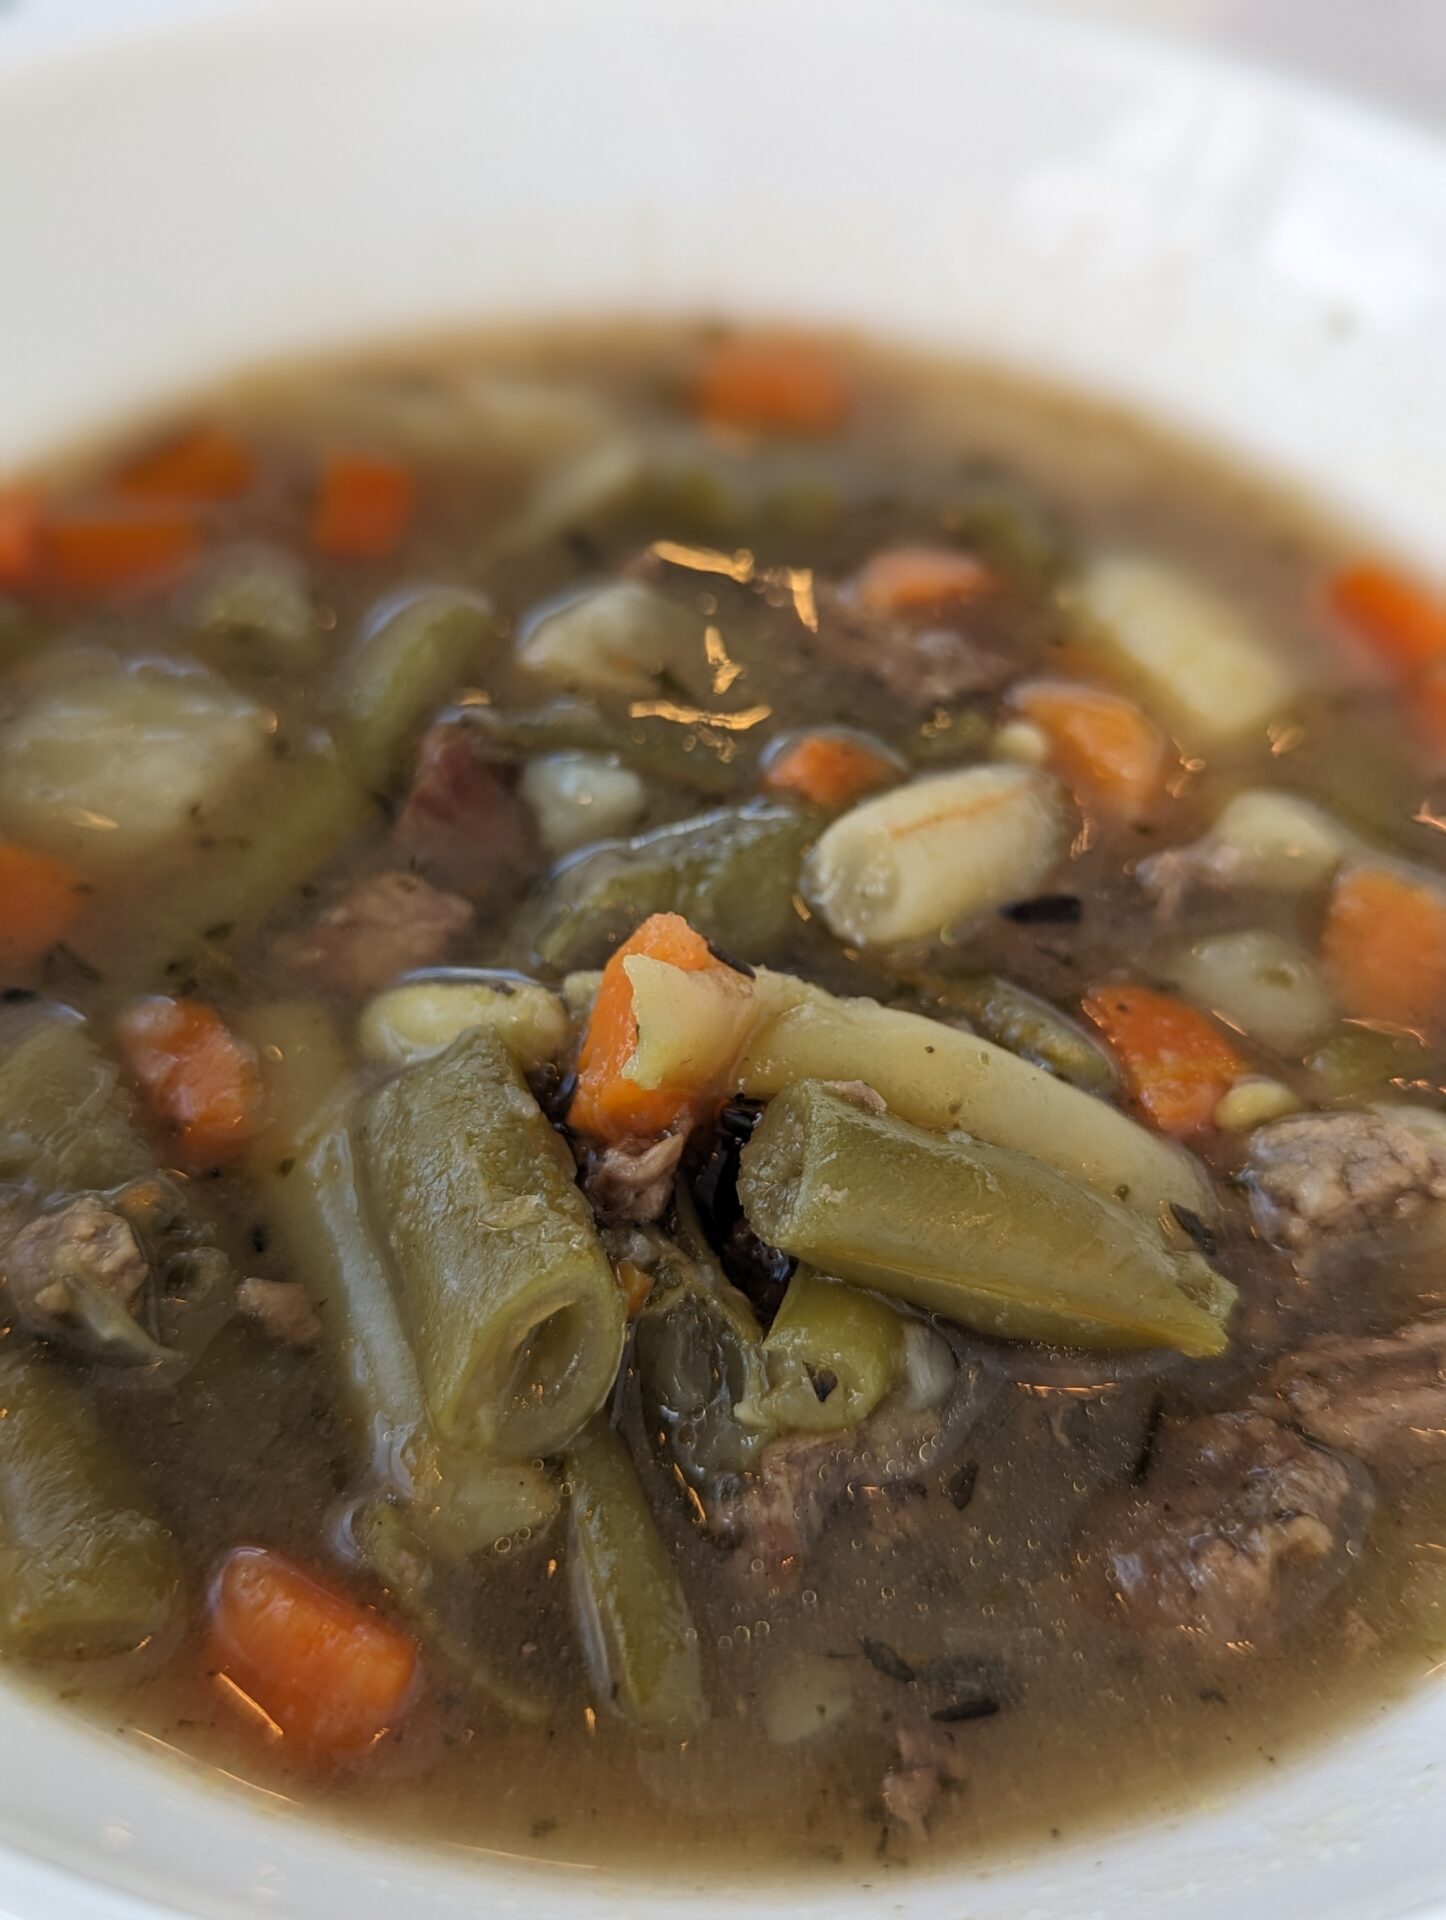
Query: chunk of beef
x=82, y=1246
x=282, y=1311
x=1382, y=1399
x=1241, y=1529
x=1316, y=1176
x=386, y=926
x=464, y=823
x=922, y=664
x=929, y=1766
x=633, y=1181
x=781, y=1509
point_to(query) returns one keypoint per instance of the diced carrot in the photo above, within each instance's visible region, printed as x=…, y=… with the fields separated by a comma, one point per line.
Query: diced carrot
x=830, y=769
x=40, y=901
x=204, y=464
x=1384, y=945
x=772, y=383
x=364, y=505
x=1110, y=754
x=635, y=1283
x=19, y=537
x=110, y=549
x=201, y=1083
x=1404, y=625
x=331, y=1675
x=1176, y=1063
x=607, y=1104
x=903, y=580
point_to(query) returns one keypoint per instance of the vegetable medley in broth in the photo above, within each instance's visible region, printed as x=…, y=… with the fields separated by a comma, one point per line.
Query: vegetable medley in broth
x=721, y=1121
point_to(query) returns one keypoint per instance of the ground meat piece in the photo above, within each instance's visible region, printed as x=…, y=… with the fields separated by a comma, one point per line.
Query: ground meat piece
x=384, y=927
x=282, y=1311
x=633, y=1181
x=1315, y=1176
x=783, y=1505
x=1382, y=1399
x=1241, y=1529
x=928, y=1767
x=923, y=665
x=84, y=1244
x=463, y=822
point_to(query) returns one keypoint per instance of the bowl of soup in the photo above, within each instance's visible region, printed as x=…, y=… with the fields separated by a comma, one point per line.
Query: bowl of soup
x=722, y=972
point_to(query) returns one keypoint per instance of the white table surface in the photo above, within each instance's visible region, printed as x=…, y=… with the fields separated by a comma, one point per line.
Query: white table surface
x=1390, y=52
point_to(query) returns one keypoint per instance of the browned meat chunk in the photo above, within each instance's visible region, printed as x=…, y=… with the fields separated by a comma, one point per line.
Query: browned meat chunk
x=632, y=1182
x=282, y=1311
x=929, y=1766
x=1382, y=1399
x=1316, y=1176
x=783, y=1505
x=83, y=1246
x=1241, y=1529
x=463, y=823
x=386, y=926
x=923, y=664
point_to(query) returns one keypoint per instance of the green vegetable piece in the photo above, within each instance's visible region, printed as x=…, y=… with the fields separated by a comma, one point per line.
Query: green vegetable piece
x=515, y=1315
x=831, y=1355
x=414, y=651
x=636, y=1625
x=986, y=1235
x=67, y=1122
x=698, y=1353
x=84, y=1572
x=1357, y=1060
x=260, y=597
x=701, y=759
x=732, y=874
x=304, y=1166
x=1014, y=1018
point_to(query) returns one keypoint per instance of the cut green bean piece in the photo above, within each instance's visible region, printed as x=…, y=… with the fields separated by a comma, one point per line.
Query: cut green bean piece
x=636, y=1625
x=831, y=1355
x=413, y=652
x=84, y=1572
x=1020, y=1021
x=67, y=1121
x=732, y=874
x=305, y=1167
x=701, y=759
x=988, y=1236
x=1358, y=1060
x=515, y=1314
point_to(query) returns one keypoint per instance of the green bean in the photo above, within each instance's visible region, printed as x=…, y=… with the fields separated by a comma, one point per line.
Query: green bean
x=732, y=874
x=698, y=1352
x=831, y=1355
x=389, y=1542
x=515, y=1314
x=84, y=1572
x=313, y=807
x=67, y=1122
x=636, y=1625
x=1026, y=1025
x=986, y=1235
x=1357, y=1060
x=410, y=656
x=700, y=758
x=304, y=1167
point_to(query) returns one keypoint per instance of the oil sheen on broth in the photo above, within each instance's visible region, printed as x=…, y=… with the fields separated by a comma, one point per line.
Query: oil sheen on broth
x=720, y=1104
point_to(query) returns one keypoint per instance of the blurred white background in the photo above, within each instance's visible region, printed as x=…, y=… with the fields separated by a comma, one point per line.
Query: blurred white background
x=1391, y=52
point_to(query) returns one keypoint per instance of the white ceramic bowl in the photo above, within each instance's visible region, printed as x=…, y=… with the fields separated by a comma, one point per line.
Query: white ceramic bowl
x=1248, y=261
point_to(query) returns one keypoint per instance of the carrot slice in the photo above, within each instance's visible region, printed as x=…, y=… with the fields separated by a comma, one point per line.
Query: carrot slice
x=771, y=383
x=1110, y=754
x=1176, y=1063
x=19, y=537
x=903, y=580
x=40, y=901
x=364, y=506
x=204, y=464
x=1404, y=625
x=109, y=550
x=201, y=1083
x=333, y=1676
x=606, y=1104
x=830, y=769
x=1384, y=946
